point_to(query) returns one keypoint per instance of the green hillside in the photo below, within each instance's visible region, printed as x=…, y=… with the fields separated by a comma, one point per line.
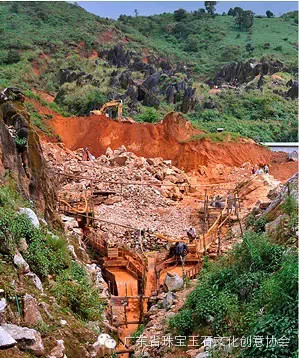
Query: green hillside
x=40, y=40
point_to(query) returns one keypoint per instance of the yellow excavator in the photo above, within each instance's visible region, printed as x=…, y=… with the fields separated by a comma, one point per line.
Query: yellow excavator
x=106, y=106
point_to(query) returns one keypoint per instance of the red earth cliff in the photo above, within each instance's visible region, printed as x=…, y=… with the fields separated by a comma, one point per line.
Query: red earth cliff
x=167, y=139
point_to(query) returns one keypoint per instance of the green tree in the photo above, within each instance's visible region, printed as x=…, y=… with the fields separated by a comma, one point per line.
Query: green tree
x=231, y=12
x=238, y=16
x=136, y=12
x=248, y=16
x=192, y=43
x=15, y=8
x=13, y=56
x=244, y=18
x=180, y=14
x=181, y=30
x=269, y=14
x=249, y=48
x=210, y=7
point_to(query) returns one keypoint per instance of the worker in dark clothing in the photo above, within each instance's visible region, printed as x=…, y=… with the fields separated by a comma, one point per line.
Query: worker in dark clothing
x=181, y=250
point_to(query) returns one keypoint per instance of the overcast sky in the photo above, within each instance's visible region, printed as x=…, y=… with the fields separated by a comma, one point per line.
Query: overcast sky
x=113, y=9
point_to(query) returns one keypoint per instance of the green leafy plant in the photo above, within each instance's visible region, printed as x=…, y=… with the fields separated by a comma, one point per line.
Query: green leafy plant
x=250, y=292
x=20, y=142
x=74, y=289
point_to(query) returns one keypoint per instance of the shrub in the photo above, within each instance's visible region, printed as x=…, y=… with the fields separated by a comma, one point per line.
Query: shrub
x=180, y=14
x=149, y=115
x=278, y=48
x=139, y=331
x=13, y=56
x=73, y=286
x=290, y=205
x=250, y=292
x=267, y=46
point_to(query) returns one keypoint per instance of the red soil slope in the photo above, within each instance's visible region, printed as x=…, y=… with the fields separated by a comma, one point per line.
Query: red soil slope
x=166, y=139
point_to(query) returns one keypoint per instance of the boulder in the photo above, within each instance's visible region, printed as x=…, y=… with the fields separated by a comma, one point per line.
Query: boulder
x=120, y=150
x=27, y=339
x=293, y=156
x=293, y=91
x=21, y=264
x=35, y=280
x=244, y=72
x=119, y=161
x=3, y=306
x=173, y=282
x=31, y=215
x=273, y=227
x=202, y=355
x=155, y=161
x=118, y=57
x=152, y=81
x=32, y=315
x=23, y=246
x=69, y=222
x=6, y=340
x=58, y=350
x=112, y=200
x=168, y=300
x=72, y=251
x=109, y=152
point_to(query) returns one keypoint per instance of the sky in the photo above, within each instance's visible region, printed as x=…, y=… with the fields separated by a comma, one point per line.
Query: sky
x=113, y=9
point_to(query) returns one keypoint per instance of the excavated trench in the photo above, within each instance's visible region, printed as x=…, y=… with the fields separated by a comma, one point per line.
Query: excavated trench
x=131, y=293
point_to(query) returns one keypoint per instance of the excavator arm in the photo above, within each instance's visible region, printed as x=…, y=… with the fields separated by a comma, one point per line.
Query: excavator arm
x=106, y=106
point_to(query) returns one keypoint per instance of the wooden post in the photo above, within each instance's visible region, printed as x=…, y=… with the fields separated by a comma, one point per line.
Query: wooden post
x=218, y=237
x=183, y=270
x=237, y=201
x=125, y=312
x=91, y=201
x=204, y=222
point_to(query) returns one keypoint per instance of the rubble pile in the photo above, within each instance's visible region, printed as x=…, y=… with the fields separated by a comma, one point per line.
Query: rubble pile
x=124, y=192
x=254, y=192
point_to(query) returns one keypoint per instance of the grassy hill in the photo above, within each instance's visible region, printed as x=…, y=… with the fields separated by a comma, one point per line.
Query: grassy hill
x=39, y=39
x=208, y=43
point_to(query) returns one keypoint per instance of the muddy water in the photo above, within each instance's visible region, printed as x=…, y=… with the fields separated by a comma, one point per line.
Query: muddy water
x=127, y=286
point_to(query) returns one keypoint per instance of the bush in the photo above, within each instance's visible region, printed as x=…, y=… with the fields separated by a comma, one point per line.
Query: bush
x=267, y=46
x=139, y=331
x=75, y=290
x=80, y=100
x=180, y=14
x=250, y=292
x=13, y=56
x=149, y=115
x=278, y=48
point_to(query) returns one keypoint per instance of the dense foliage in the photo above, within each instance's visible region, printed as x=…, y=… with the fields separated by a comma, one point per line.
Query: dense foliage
x=47, y=254
x=251, y=292
x=264, y=117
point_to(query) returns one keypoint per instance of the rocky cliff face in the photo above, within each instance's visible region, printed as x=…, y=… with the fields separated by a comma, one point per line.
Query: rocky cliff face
x=243, y=72
x=21, y=156
x=157, y=80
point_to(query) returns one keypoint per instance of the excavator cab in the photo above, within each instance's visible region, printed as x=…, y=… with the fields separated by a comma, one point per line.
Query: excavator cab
x=115, y=103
